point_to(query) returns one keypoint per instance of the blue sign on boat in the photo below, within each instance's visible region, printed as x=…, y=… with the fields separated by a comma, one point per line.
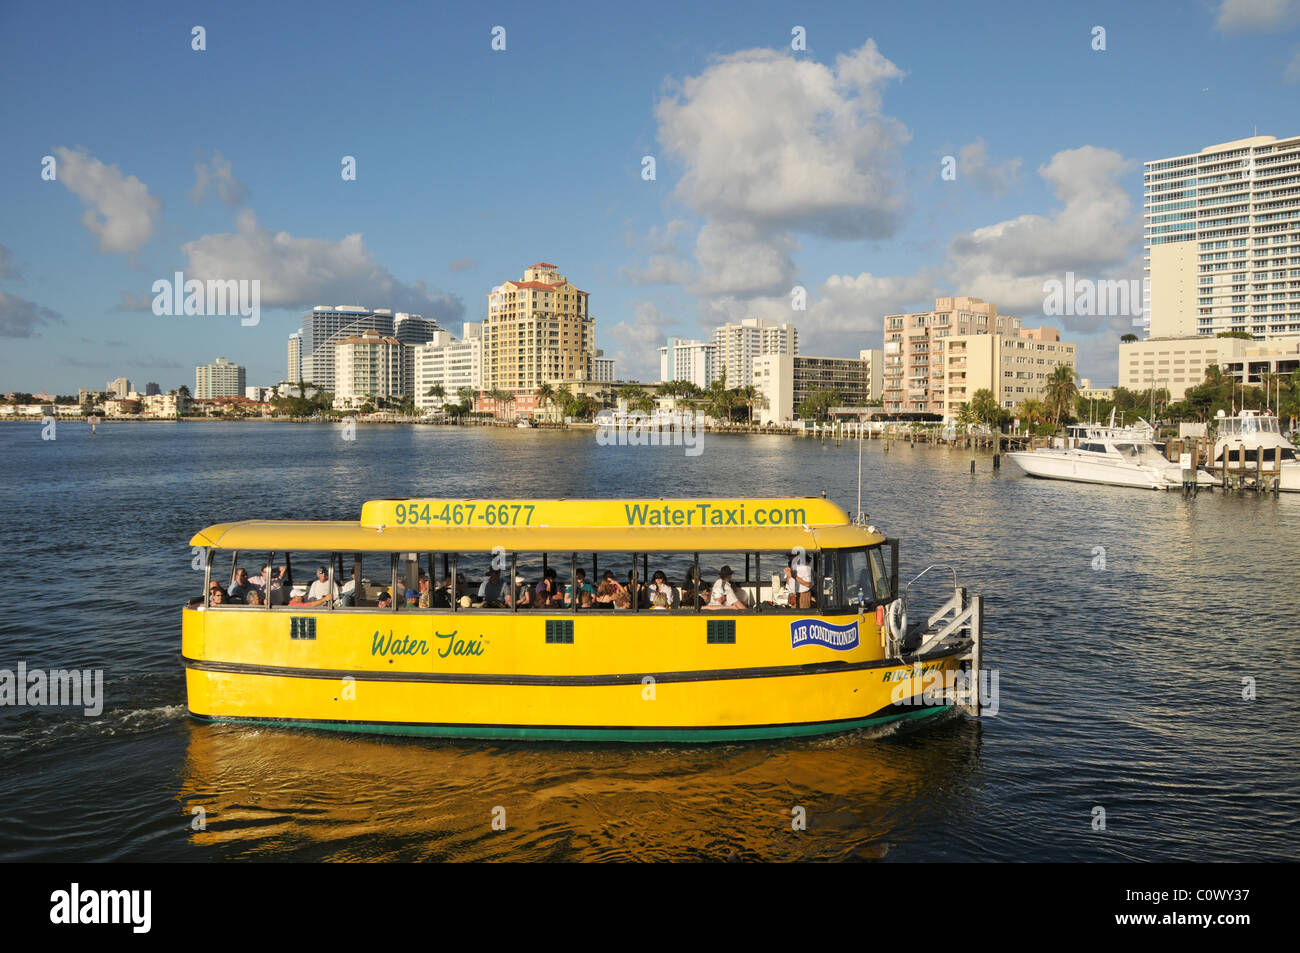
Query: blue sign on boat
x=816, y=632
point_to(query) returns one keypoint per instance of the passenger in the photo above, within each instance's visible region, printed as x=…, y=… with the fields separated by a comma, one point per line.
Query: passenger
x=658, y=601
x=692, y=592
x=322, y=591
x=659, y=587
x=636, y=589
x=254, y=598
x=606, y=591
x=492, y=593
x=239, y=589
x=216, y=595
x=440, y=595
x=523, y=595
x=583, y=586
x=349, y=591
x=622, y=600
x=425, y=599
x=724, y=594
x=385, y=600
x=548, y=595
x=277, y=593
x=798, y=582
x=586, y=599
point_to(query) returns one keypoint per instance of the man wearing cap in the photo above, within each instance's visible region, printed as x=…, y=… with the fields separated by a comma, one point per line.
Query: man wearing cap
x=322, y=592
x=798, y=581
x=491, y=592
x=725, y=595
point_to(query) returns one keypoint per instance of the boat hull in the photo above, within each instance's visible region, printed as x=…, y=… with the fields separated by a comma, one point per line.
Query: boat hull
x=1049, y=466
x=759, y=687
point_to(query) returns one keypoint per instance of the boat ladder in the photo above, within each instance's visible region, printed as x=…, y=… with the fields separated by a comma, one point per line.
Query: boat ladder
x=961, y=617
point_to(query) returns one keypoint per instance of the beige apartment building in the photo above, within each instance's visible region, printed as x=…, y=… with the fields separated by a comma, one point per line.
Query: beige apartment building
x=1175, y=364
x=1014, y=366
x=537, y=331
x=915, y=370
x=736, y=345
x=786, y=380
x=366, y=366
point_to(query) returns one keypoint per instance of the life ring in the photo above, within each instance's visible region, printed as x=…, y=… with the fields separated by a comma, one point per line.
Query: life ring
x=896, y=618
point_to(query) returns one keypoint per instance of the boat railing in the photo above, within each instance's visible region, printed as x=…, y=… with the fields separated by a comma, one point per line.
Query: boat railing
x=962, y=615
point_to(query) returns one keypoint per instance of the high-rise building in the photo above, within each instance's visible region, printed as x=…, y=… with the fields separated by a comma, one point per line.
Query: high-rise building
x=450, y=363
x=602, y=369
x=914, y=370
x=295, y=357
x=736, y=345
x=323, y=327
x=367, y=366
x=688, y=360
x=1223, y=240
x=874, y=358
x=412, y=330
x=151, y=389
x=118, y=387
x=218, y=379
x=537, y=330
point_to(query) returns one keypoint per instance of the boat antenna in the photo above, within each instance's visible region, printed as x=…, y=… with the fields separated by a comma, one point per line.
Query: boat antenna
x=861, y=418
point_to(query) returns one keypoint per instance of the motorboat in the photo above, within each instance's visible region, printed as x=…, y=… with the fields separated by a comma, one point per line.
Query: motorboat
x=1258, y=434
x=1115, y=456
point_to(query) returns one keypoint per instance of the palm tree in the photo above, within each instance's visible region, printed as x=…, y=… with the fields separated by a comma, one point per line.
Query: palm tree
x=1128, y=338
x=545, y=394
x=1062, y=391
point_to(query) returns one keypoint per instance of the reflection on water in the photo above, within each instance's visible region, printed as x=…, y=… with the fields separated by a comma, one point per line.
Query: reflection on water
x=1124, y=624
x=271, y=792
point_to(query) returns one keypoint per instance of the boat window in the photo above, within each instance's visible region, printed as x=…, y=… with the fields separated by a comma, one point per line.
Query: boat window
x=668, y=581
x=786, y=581
x=859, y=577
x=363, y=579
x=301, y=585
x=880, y=574
x=736, y=593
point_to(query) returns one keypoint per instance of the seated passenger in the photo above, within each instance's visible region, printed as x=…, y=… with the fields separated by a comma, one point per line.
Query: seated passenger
x=583, y=586
x=585, y=600
x=605, y=592
x=724, y=594
x=636, y=590
x=547, y=595
x=254, y=598
x=658, y=601
x=216, y=595
x=622, y=600
x=278, y=592
x=692, y=591
x=492, y=593
x=659, y=586
x=385, y=600
x=523, y=594
x=239, y=589
x=349, y=591
x=322, y=592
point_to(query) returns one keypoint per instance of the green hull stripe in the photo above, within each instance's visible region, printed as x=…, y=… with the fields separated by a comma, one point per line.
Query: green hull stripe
x=492, y=733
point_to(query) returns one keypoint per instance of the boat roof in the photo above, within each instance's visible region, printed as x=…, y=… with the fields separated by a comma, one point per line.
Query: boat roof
x=641, y=525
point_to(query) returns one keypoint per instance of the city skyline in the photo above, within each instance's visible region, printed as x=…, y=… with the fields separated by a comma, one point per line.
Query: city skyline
x=775, y=167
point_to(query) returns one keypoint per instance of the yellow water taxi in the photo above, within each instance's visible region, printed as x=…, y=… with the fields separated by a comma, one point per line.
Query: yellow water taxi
x=622, y=620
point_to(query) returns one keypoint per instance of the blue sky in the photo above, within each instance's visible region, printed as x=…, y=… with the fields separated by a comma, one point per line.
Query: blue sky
x=774, y=167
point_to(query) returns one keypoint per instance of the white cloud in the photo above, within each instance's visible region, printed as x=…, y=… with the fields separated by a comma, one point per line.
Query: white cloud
x=973, y=163
x=1094, y=232
x=1245, y=15
x=636, y=343
x=120, y=211
x=297, y=273
x=742, y=258
x=219, y=175
x=792, y=144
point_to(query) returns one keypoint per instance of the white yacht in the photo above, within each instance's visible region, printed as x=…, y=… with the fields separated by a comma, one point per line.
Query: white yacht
x=1116, y=456
x=1254, y=431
